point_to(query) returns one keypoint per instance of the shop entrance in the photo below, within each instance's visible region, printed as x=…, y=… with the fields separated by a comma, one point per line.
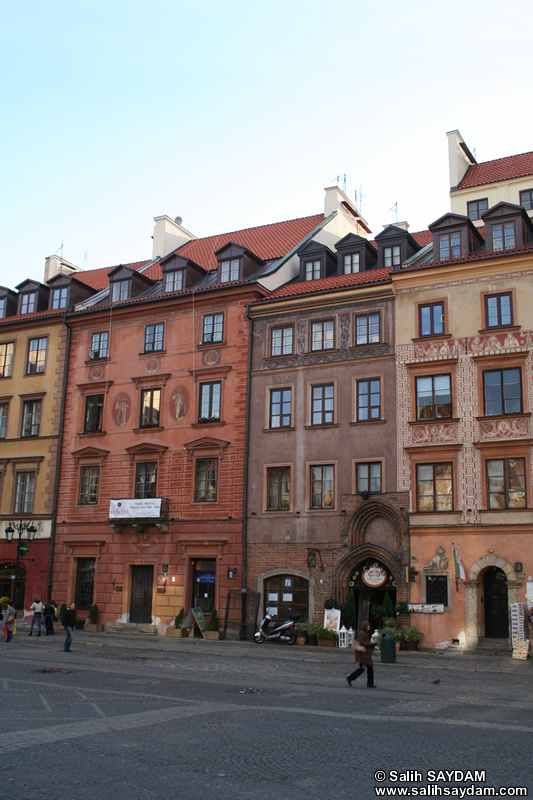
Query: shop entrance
x=142, y=582
x=204, y=584
x=373, y=585
x=7, y=572
x=496, y=603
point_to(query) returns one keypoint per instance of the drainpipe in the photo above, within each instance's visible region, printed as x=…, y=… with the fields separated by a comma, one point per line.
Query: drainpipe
x=58, y=464
x=242, y=633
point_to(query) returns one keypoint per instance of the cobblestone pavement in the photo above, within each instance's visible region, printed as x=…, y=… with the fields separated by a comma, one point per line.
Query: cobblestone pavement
x=129, y=719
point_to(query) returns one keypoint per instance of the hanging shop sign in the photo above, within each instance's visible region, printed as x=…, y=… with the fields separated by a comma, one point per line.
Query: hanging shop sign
x=374, y=576
x=135, y=509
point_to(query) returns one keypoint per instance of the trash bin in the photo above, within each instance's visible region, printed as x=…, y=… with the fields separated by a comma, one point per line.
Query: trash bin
x=388, y=649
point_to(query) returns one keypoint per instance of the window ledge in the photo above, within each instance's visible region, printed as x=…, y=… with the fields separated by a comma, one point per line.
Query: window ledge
x=520, y=414
x=433, y=421
x=282, y=356
x=500, y=329
x=431, y=336
x=92, y=433
x=218, y=423
x=144, y=429
x=368, y=422
x=277, y=430
x=369, y=344
x=98, y=360
x=152, y=353
x=218, y=343
x=324, y=425
x=321, y=352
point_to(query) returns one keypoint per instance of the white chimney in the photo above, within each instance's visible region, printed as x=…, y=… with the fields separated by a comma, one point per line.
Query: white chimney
x=459, y=158
x=54, y=265
x=168, y=235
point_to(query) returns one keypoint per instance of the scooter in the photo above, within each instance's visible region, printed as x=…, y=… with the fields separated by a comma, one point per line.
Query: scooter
x=282, y=631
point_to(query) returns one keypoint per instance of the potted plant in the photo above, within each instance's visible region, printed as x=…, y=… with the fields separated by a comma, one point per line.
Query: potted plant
x=326, y=637
x=391, y=625
x=311, y=628
x=411, y=637
x=212, y=626
x=92, y=625
x=175, y=629
x=301, y=632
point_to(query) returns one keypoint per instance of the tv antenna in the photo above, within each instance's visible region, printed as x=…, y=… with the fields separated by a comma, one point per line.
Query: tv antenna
x=395, y=209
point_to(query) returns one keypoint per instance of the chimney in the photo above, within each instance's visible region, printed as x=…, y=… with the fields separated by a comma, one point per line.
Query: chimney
x=54, y=265
x=169, y=235
x=459, y=158
x=403, y=225
x=348, y=217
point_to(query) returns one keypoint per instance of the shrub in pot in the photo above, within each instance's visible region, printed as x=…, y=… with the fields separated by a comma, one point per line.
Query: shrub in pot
x=411, y=637
x=326, y=637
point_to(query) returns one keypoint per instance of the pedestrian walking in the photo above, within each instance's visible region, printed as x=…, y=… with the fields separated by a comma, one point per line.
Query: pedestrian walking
x=9, y=620
x=69, y=621
x=37, y=608
x=364, y=657
x=48, y=616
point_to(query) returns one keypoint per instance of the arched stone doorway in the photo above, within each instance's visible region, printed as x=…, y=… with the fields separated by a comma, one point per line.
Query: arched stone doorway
x=489, y=571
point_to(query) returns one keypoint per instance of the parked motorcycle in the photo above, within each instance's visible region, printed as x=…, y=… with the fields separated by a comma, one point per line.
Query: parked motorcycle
x=282, y=631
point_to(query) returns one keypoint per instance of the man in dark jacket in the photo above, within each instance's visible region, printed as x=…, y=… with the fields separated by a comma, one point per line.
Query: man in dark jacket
x=364, y=658
x=69, y=621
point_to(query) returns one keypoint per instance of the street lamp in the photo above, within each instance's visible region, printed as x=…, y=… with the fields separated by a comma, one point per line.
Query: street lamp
x=19, y=528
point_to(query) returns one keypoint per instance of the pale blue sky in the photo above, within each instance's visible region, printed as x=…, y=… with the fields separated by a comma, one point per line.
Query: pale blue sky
x=238, y=114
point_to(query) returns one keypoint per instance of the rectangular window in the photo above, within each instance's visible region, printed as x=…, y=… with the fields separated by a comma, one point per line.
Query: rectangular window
x=145, y=480
x=278, y=488
x=88, y=491
x=99, y=345
x=280, y=408
x=25, y=487
x=322, y=404
x=526, y=199
x=31, y=418
x=94, y=412
x=368, y=477
x=477, y=207
x=213, y=328
x=322, y=486
x=174, y=281
x=7, y=352
x=2, y=307
x=36, y=356
x=434, y=487
x=506, y=483
x=503, y=236
x=281, y=341
x=210, y=401
x=351, y=263
x=150, y=407
x=229, y=270
x=3, y=420
x=368, y=400
x=205, y=482
x=437, y=589
x=312, y=270
x=84, y=582
x=450, y=246
x=153, y=337
x=499, y=310
x=502, y=391
x=59, y=298
x=433, y=397
x=392, y=256
x=120, y=291
x=368, y=329
x=431, y=319
x=322, y=337
x=28, y=303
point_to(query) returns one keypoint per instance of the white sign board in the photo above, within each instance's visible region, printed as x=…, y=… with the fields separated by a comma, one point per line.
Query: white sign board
x=131, y=509
x=426, y=608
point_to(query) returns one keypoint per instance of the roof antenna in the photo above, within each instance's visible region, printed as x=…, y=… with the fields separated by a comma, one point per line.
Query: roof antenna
x=60, y=248
x=395, y=209
x=344, y=184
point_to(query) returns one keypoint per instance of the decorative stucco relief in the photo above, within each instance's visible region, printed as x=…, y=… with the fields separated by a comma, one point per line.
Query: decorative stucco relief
x=504, y=429
x=434, y=433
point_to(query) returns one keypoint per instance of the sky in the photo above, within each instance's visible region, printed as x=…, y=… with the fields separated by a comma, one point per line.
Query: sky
x=236, y=114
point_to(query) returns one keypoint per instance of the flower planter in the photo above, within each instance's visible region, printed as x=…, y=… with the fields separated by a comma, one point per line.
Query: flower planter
x=311, y=639
x=411, y=645
x=174, y=632
x=211, y=635
x=327, y=642
x=301, y=640
x=94, y=627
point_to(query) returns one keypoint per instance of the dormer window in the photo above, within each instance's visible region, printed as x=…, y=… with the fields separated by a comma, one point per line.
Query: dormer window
x=449, y=245
x=174, y=280
x=59, y=298
x=352, y=263
x=120, y=291
x=392, y=256
x=312, y=270
x=229, y=270
x=28, y=303
x=3, y=304
x=503, y=236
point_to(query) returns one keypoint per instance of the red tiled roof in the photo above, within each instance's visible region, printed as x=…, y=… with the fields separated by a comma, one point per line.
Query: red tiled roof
x=501, y=169
x=333, y=282
x=422, y=237
x=97, y=278
x=265, y=241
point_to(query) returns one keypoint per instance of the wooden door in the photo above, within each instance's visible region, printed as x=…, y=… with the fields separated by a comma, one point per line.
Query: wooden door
x=496, y=604
x=142, y=582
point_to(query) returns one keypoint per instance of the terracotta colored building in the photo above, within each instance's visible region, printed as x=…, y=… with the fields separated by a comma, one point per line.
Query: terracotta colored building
x=150, y=506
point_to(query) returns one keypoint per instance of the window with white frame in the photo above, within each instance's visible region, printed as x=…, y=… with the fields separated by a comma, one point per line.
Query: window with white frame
x=174, y=280
x=31, y=418
x=7, y=353
x=24, y=492
x=322, y=335
x=153, y=337
x=59, y=298
x=212, y=328
x=88, y=489
x=36, y=356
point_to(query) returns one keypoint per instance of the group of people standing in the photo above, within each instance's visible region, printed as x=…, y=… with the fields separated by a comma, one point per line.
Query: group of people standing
x=46, y=611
